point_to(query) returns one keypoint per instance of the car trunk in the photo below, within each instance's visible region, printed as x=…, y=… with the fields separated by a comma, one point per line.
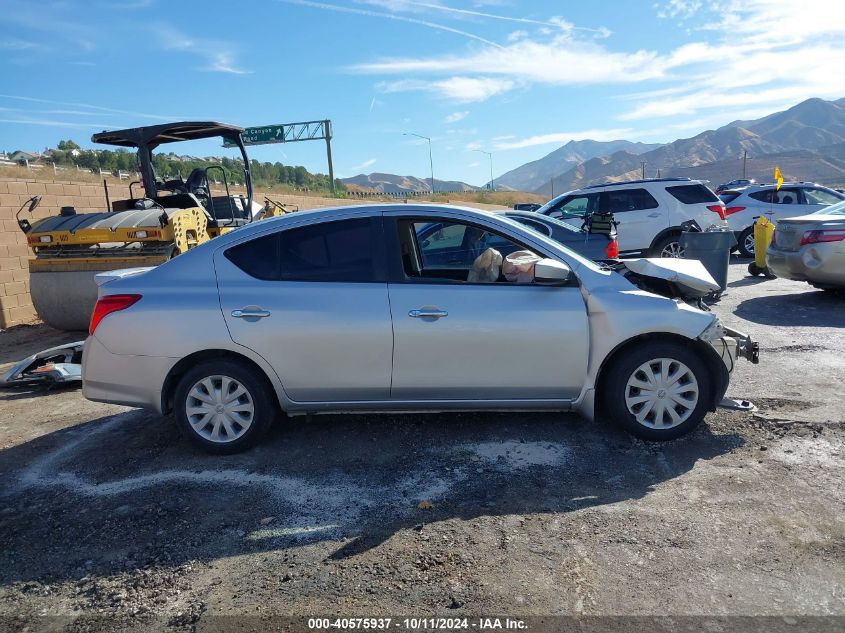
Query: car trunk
x=789, y=232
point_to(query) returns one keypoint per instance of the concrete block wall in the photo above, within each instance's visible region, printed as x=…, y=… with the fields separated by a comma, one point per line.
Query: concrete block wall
x=15, y=302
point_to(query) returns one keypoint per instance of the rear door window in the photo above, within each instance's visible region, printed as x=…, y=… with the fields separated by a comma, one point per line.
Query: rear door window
x=627, y=200
x=328, y=251
x=820, y=196
x=781, y=196
x=693, y=194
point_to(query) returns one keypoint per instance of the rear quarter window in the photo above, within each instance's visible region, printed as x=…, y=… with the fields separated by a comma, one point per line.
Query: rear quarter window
x=328, y=251
x=728, y=196
x=692, y=194
x=623, y=200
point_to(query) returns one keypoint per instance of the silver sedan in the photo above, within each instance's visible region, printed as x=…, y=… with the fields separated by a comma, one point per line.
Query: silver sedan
x=369, y=309
x=811, y=248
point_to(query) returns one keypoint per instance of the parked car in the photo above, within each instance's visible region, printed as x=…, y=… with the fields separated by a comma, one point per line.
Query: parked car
x=526, y=206
x=352, y=309
x=744, y=206
x=811, y=248
x=734, y=184
x=598, y=246
x=649, y=212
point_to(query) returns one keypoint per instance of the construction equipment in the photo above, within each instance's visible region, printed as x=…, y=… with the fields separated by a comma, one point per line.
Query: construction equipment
x=170, y=218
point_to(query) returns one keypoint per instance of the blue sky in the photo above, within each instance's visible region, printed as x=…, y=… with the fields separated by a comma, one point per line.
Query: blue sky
x=517, y=79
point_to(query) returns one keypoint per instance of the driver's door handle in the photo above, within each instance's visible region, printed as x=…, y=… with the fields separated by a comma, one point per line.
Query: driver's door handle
x=426, y=313
x=251, y=313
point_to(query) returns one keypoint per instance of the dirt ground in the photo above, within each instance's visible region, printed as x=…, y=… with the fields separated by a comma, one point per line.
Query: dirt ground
x=110, y=520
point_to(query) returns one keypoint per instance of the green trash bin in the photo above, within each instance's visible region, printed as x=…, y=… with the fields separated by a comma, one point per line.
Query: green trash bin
x=712, y=249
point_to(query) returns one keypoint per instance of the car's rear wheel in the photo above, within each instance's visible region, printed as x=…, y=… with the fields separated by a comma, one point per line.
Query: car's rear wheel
x=224, y=406
x=746, y=242
x=669, y=246
x=658, y=391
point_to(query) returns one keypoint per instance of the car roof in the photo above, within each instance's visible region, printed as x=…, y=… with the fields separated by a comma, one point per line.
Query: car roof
x=640, y=182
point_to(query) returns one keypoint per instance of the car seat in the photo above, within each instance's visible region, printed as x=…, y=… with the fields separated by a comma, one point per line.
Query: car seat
x=787, y=200
x=487, y=267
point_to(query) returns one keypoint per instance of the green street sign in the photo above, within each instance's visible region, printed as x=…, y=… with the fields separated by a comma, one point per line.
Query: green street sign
x=265, y=134
x=285, y=133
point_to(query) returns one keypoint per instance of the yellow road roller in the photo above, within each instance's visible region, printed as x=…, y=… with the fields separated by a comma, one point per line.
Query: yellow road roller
x=169, y=218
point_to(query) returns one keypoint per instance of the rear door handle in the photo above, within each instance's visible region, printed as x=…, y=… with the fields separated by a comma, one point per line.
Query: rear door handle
x=250, y=313
x=428, y=313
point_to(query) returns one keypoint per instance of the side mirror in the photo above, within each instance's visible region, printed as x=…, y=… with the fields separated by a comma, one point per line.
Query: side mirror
x=552, y=273
x=34, y=201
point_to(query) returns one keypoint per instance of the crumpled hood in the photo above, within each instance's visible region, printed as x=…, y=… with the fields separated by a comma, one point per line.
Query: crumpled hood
x=688, y=275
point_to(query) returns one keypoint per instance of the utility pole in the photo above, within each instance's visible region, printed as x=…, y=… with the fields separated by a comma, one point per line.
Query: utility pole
x=744, y=160
x=553, y=186
x=643, y=166
x=430, y=160
x=328, y=132
x=490, y=156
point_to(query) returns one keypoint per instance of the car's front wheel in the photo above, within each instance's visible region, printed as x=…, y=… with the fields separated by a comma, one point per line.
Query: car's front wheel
x=224, y=406
x=658, y=391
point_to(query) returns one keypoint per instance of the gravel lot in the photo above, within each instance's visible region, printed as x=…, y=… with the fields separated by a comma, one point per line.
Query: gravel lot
x=110, y=519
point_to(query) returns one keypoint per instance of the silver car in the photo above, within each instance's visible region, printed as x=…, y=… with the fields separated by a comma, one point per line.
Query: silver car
x=811, y=248
x=366, y=309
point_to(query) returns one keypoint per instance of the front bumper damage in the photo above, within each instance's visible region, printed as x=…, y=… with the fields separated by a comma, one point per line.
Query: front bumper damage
x=731, y=345
x=54, y=366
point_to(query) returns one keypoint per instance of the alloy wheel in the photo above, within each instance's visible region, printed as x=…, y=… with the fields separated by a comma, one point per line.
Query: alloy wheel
x=748, y=243
x=672, y=249
x=661, y=393
x=219, y=409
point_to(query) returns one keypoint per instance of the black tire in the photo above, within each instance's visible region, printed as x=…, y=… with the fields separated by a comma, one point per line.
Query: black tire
x=627, y=365
x=259, y=395
x=741, y=245
x=671, y=240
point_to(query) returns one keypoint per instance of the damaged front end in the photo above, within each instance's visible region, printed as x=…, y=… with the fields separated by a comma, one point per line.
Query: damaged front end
x=54, y=366
x=730, y=344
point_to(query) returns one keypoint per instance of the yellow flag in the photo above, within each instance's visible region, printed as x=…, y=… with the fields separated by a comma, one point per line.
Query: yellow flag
x=778, y=177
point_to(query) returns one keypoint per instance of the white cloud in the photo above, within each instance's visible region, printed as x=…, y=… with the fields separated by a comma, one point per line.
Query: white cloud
x=364, y=165
x=765, y=54
x=460, y=89
x=324, y=6
x=475, y=164
x=218, y=56
x=557, y=62
x=456, y=116
x=558, y=138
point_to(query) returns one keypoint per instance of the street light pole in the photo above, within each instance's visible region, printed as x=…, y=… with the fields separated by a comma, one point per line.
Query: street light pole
x=430, y=160
x=490, y=156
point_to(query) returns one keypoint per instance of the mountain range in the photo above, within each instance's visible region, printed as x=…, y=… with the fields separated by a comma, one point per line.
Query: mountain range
x=807, y=142
x=808, y=139
x=393, y=184
x=537, y=173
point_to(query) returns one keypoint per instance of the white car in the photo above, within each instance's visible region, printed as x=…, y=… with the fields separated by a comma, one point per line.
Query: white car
x=650, y=213
x=743, y=206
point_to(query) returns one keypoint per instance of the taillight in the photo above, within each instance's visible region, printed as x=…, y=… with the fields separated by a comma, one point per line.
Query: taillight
x=108, y=304
x=717, y=208
x=732, y=210
x=612, y=249
x=823, y=235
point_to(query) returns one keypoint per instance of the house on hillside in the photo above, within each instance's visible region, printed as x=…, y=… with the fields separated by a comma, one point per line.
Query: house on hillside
x=24, y=158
